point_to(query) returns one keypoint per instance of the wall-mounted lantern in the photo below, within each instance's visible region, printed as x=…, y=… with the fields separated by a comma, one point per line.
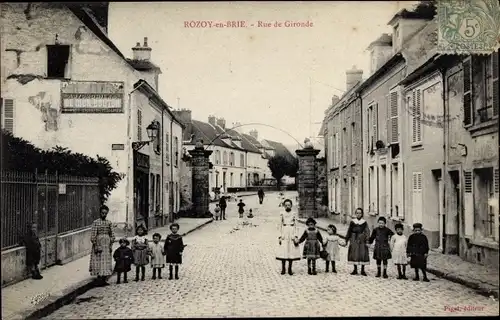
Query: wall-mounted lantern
x=152, y=131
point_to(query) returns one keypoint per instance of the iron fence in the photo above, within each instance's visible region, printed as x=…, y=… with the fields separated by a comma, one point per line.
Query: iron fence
x=58, y=204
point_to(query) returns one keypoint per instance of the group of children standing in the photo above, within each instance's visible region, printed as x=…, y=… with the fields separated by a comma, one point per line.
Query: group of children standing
x=388, y=245
x=142, y=251
x=241, y=210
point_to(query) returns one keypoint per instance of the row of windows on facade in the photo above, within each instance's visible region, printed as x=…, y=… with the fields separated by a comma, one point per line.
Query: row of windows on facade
x=228, y=160
x=480, y=104
x=481, y=191
x=158, y=142
x=155, y=194
x=231, y=179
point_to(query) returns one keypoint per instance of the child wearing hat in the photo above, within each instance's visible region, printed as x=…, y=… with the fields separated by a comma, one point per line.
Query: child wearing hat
x=141, y=249
x=312, y=246
x=382, y=250
x=124, y=257
x=418, y=249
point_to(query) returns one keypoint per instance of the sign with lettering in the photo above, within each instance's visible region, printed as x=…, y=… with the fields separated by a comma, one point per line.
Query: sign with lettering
x=117, y=146
x=92, y=97
x=141, y=160
x=62, y=188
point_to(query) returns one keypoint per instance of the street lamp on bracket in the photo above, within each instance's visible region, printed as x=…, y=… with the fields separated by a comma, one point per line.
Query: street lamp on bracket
x=152, y=131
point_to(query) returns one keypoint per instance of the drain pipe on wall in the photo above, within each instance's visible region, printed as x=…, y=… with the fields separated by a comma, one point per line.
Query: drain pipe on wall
x=171, y=189
x=129, y=145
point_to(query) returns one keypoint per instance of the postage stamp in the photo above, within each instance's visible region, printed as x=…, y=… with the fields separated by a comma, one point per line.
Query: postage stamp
x=468, y=26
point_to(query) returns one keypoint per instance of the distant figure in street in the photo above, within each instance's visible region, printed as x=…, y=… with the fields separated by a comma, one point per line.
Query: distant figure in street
x=260, y=193
x=250, y=214
x=124, y=257
x=313, y=244
x=174, y=246
x=288, y=249
x=331, y=245
x=140, y=248
x=418, y=250
x=357, y=236
x=102, y=238
x=241, y=205
x=157, y=253
x=382, y=251
x=223, y=206
x=217, y=212
x=398, y=247
x=33, y=250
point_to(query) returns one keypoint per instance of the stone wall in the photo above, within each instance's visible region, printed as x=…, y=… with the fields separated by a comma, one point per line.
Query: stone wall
x=321, y=188
x=186, y=186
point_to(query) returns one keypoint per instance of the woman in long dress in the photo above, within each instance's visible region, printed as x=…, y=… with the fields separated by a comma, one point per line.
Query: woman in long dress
x=102, y=238
x=288, y=249
x=358, y=235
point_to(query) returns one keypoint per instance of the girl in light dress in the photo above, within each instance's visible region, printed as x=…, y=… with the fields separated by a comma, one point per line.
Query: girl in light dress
x=157, y=255
x=398, y=248
x=331, y=244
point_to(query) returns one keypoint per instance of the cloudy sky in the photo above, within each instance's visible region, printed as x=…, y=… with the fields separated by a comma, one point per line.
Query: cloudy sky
x=252, y=74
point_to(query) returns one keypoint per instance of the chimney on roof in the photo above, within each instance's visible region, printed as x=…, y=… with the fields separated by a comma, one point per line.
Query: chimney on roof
x=255, y=134
x=211, y=120
x=142, y=52
x=221, y=123
x=353, y=76
x=184, y=115
x=335, y=100
x=380, y=51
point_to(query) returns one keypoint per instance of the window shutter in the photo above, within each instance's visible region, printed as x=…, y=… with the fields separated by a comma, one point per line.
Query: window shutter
x=496, y=181
x=158, y=139
x=375, y=123
x=8, y=115
x=417, y=197
x=468, y=204
x=139, y=124
x=337, y=162
x=367, y=129
x=467, y=74
x=413, y=117
x=419, y=115
x=167, y=148
x=394, y=117
x=494, y=65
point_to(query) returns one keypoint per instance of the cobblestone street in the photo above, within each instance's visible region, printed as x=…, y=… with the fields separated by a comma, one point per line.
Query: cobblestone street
x=230, y=270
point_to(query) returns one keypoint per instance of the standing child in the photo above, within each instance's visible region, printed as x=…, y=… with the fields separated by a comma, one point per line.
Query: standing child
x=241, y=205
x=417, y=250
x=33, y=250
x=140, y=248
x=331, y=245
x=398, y=247
x=217, y=212
x=250, y=214
x=357, y=235
x=312, y=247
x=157, y=252
x=124, y=257
x=382, y=251
x=174, y=246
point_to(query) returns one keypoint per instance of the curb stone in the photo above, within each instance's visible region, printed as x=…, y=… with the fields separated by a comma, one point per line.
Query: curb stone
x=70, y=294
x=453, y=278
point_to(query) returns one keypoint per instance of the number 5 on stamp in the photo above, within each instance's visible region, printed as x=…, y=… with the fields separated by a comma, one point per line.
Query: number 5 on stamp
x=468, y=26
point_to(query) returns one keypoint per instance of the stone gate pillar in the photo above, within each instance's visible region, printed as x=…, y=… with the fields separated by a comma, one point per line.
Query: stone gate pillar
x=306, y=182
x=200, y=194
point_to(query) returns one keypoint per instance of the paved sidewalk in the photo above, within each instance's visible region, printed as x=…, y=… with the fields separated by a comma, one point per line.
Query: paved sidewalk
x=23, y=300
x=483, y=279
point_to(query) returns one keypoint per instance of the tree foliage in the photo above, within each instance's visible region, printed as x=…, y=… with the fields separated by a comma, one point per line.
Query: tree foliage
x=281, y=166
x=21, y=155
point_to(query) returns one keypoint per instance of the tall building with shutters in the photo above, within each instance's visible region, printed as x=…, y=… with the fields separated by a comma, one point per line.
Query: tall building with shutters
x=392, y=182
x=344, y=152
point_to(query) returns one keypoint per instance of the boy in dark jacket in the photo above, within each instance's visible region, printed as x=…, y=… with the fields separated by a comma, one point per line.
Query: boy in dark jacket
x=124, y=257
x=33, y=250
x=418, y=249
